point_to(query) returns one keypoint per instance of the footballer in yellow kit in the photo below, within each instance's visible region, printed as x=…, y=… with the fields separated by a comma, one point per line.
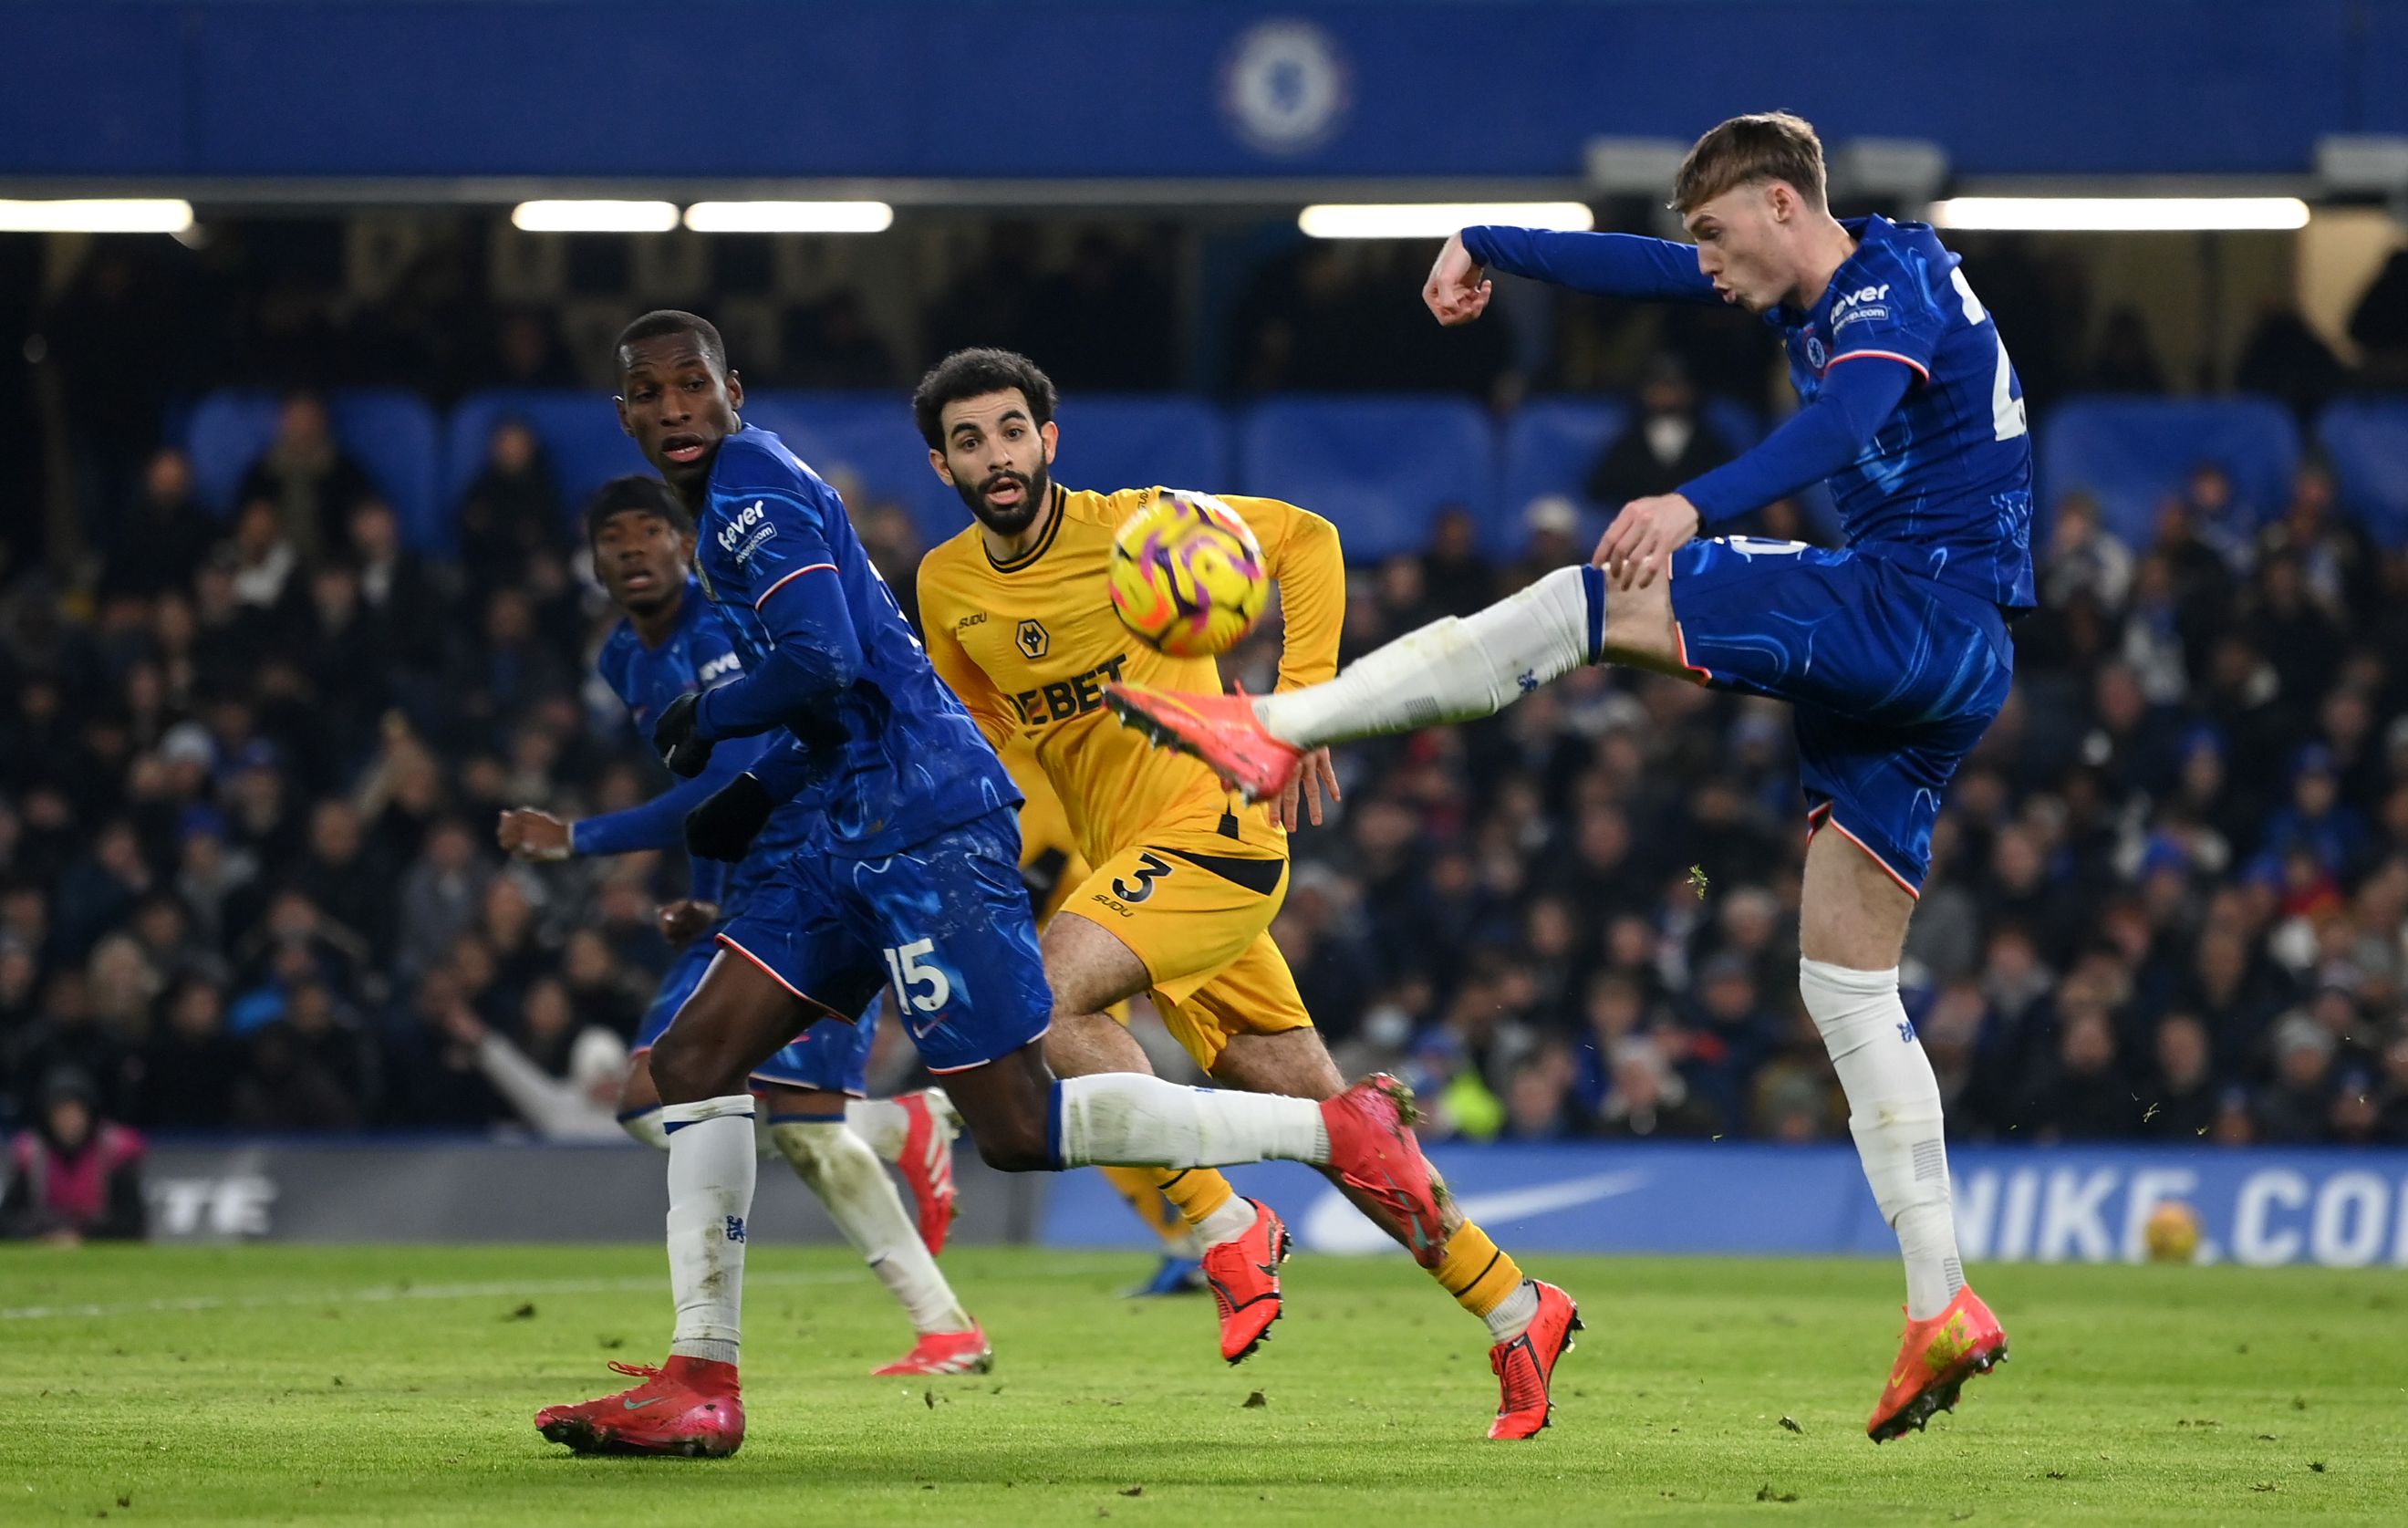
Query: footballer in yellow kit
x=1186, y=875
x=1018, y=619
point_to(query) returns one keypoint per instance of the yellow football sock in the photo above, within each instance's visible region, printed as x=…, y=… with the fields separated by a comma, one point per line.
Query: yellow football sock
x=1196, y=1190
x=1476, y=1271
x=1139, y=1186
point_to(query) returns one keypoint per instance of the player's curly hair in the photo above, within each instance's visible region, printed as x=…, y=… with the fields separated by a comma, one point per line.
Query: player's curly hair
x=1762, y=146
x=974, y=373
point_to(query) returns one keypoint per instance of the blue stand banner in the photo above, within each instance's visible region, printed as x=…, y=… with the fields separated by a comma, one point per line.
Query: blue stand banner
x=2333, y=1208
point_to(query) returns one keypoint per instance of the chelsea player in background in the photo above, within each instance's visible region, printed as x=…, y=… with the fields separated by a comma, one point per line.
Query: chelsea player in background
x=1893, y=652
x=672, y=642
x=913, y=881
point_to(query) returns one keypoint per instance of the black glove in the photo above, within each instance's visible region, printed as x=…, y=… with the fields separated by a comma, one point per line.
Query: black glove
x=724, y=825
x=685, y=755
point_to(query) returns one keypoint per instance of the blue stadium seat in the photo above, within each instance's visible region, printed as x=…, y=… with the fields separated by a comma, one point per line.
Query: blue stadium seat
x=1380, y=467
x=579, y=430
x=2131, y=452
x=1110, y=441
x=2367, y=439
x=391, y=434
x=1551, y=443
x=224, y=433
x=864, y=439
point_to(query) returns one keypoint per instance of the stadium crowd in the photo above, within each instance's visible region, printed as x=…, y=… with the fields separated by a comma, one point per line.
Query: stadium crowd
x=251, y=774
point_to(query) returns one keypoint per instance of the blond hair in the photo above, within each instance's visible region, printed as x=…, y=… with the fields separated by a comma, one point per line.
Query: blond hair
x=1761, y=146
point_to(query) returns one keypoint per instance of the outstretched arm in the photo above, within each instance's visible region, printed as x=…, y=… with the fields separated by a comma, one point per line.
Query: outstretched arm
x=1609, y=265
x=656, y=824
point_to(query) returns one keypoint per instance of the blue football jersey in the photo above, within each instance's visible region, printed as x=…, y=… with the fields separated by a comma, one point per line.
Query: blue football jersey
x=699, y=655
x=896, y=759
x=1945, y=488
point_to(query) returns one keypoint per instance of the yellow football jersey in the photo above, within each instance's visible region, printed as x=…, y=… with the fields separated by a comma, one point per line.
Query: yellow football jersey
x=1029, y=645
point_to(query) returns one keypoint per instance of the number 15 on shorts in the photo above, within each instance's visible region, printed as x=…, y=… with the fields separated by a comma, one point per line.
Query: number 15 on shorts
x=919, y=987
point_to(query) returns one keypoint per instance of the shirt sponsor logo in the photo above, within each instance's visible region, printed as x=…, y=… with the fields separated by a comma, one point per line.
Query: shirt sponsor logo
x=1868, y=302
x=1065, y=698
x=746, y=530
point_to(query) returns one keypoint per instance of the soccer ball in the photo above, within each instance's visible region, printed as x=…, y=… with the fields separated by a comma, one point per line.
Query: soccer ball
x=1187, y=575
x=2172, y=1233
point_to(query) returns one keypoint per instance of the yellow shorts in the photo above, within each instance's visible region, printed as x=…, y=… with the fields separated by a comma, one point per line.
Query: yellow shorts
x=1253, y=994
x=1199, y=917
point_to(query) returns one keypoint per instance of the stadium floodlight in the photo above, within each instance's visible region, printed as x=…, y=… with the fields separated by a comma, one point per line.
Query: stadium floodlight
x=594, y=217
x=789, y=217
x=103, y=215
x=1436, y=220
x=2120, y=214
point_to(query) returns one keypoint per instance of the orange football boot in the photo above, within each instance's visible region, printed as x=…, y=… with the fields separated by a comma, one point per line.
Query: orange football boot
x=1243, y=1276
x=944, y=1352
x=1371, y=1146
x=1933, y=1364
x=1220, y=730
x=1525, y=1367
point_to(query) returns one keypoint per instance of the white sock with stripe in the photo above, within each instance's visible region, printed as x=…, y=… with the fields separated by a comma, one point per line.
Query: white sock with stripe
x=839, y=1167
x=1451, y=671
x=1128, y=1119
x=1894, y=1113
x=711, y=1172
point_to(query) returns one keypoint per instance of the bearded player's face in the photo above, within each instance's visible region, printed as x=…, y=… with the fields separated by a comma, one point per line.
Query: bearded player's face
x=995, y=457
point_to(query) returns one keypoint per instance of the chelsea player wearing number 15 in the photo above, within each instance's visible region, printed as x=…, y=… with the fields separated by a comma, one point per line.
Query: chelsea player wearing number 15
x=914, y=880
x=671, y=642
x=1893, y=652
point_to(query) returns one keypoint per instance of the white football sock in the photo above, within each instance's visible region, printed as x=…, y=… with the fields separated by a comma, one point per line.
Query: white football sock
x=1894, y=1113
x=881, y=1122
x=1233, y=1220
x=1128, y=1119
x=711, y=1169
x=645, y=1125
x=1451, y=671
x=839, y=1167
x=1513, y=1314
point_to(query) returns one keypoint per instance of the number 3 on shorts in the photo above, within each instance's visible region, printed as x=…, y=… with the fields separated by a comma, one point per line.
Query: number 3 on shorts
x=903, y=963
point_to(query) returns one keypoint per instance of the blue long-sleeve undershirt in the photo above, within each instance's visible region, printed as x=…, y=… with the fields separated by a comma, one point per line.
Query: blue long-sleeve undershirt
x=1609, y=265
x=660, y=824
x=1857, y=396
x=816, y=658
x=1819, y=439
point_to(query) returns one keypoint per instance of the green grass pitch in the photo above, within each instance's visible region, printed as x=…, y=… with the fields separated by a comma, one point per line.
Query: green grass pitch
x=394, y=1385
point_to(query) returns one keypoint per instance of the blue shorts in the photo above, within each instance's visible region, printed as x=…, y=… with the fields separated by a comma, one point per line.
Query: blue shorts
x=946, y=923
x=1894, y=677
x=831, y=1055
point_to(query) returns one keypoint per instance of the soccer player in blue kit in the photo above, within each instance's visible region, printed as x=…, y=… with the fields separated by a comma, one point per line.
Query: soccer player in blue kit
x=913, y=880
x=671, y=643
x=1893, y=652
